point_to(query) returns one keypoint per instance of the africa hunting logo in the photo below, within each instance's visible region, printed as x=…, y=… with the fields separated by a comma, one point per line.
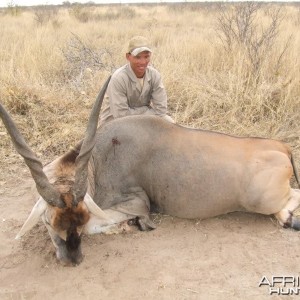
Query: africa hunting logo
x=281, y=285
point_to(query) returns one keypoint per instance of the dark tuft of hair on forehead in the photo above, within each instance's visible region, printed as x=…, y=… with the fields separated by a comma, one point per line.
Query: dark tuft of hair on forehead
x=70, y=217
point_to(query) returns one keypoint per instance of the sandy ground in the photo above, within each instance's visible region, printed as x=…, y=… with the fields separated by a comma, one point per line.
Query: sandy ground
x=219, y=258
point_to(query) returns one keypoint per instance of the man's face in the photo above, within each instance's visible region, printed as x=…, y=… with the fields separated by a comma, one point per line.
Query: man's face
x=139, y=63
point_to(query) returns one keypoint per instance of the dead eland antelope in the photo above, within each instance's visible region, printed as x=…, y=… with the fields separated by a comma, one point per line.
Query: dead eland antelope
x=131, y=164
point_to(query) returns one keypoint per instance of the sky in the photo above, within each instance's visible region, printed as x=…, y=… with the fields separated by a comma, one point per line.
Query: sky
x=4, y=3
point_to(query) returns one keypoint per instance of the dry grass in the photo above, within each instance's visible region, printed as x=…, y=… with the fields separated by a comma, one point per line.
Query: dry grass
x=49, y=82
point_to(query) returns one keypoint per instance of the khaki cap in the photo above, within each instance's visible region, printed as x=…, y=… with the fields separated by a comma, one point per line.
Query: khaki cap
x=137, y=45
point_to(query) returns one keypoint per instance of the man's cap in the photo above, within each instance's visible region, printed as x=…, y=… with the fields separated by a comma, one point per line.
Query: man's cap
x=137, y=45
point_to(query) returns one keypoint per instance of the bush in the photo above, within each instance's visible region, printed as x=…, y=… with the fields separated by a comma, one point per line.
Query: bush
x=81, y=13
x=43, y=14
x=238, y=28
x=13, y=9
x=82, y=60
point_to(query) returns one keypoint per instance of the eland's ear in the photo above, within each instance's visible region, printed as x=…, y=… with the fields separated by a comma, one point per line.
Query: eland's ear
x=38, y=209
x=94, y=208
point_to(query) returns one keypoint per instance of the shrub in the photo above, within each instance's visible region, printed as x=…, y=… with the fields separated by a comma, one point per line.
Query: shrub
x=13, y=9
x=43, y=14
x=81, y=13
x=82, y=60
x=238, y=28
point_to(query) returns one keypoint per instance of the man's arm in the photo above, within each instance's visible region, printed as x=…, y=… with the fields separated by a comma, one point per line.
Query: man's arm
x=119, y=104
x=159, y=97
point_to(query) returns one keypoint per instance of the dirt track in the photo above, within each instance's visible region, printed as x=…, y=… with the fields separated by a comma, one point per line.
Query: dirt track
x=219, y=258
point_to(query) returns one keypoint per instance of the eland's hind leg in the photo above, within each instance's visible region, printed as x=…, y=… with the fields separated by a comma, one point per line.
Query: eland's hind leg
x=285, y=216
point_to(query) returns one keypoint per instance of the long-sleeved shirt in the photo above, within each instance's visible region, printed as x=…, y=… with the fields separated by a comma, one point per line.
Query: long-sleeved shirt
x=126, y=95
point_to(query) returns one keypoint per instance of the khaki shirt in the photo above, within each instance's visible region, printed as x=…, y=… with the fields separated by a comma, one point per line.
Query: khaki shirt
x=125, y=96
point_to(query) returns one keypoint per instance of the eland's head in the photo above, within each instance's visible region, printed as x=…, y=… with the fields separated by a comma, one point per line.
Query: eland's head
x=64, y=204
